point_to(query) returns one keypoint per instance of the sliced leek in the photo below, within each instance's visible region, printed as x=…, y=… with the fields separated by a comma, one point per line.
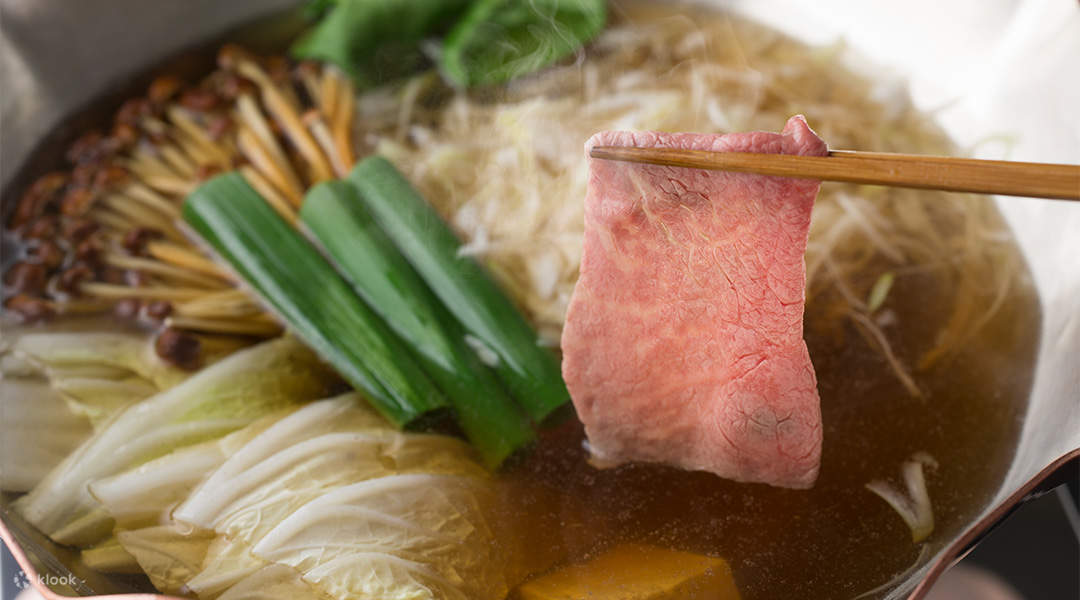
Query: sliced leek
x=301, y=286
x=385, y=280
x=529, y=371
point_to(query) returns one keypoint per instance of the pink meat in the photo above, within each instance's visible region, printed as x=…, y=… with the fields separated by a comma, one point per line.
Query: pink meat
x=683, y=341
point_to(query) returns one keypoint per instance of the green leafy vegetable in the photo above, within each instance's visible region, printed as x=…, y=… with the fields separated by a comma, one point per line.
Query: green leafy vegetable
x=491, y=42
x=376, y=40
x=499, y=40
x=221, y=398
x=305, y=290
x=316, y=9
x=385, y=280
x=494, y=326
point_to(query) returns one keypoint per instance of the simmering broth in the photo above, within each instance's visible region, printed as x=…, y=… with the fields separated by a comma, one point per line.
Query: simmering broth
x=837, y=539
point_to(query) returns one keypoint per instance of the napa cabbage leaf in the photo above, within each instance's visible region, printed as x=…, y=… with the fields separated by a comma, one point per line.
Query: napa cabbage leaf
x=221, y=398
x=98, y=373
x=327, y=500
x=37, y=430
x=54, y=386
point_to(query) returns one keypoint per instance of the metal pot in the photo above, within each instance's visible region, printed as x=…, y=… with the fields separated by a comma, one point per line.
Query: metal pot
x=75, y=61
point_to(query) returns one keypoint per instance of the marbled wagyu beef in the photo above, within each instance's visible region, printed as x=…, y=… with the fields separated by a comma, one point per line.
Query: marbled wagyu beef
x=683, y=341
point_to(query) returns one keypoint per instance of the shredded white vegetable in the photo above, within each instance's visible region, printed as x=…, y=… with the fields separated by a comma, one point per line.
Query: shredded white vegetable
x=913, y=507
x=507, y=167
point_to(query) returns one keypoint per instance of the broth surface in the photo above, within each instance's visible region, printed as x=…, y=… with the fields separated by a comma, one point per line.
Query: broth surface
x=837, y=539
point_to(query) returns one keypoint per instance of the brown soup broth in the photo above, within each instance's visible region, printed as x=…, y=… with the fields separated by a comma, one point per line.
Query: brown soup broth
x=837, y=539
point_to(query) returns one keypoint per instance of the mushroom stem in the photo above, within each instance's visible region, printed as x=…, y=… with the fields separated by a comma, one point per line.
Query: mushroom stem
x=260, y=157
x=285, y=113
x=164, y=270
x=225, y=298
x=140, y=216
x=143, y=163
x=257, y=326
x=170, y=185
x=329, y=90
x=221, y=344
x=200, y=309
x=193, y=150
x=148, y=196
x=322, y=135
x=249, y=114
x=187, y=124
x=72, y=306
x=116, y=224
x=178, y=160
x=310, y=79
x=270, y=194
x=342, y=120
x=113, y=291
x=183, y=257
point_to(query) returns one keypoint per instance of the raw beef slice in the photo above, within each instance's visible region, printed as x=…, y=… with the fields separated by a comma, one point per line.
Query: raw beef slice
x=683, y=340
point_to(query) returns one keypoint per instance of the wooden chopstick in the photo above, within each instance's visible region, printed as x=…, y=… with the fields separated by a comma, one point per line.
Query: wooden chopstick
x=1037, y=180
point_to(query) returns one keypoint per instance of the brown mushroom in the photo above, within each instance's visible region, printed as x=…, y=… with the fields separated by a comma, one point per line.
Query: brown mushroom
x=77, y=201
x=29, y=308
x=44, y=228
x=199, y=99
x=125, y=135
x=158, y=310
x=77, y=230
x=87, y=148
x=163, y=88
x=47, y=253
x=111, y=176
x=37, y=198
x=25, y=278
x=218, y=127
x=70, y=280
x=89, y=250
x=83, y=175
x=136, y=239
x=132, y=111
x=205, y=172
x=178, y=348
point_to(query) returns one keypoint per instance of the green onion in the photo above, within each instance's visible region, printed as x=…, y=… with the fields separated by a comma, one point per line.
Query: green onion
x=384, y=279
x=494, y=327
x=302, y=287
x=499, y=40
